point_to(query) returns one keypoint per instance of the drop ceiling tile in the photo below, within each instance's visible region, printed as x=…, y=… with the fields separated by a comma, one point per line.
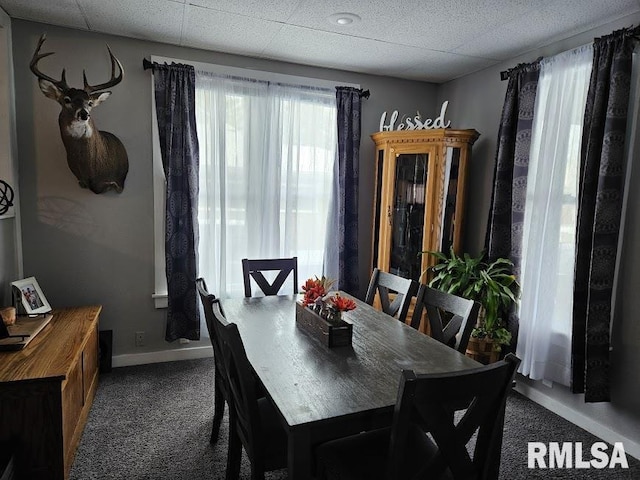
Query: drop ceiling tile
x=330, y=50
x=546, y=25
x=65, y=13
x=377, y=16
x=158, y=20
x=403, y=38
x=585, y=14
x=445, y=67
x=437, y=24
x=501, y=44
x=227, y=32
x=277, y=10
x=444, y=25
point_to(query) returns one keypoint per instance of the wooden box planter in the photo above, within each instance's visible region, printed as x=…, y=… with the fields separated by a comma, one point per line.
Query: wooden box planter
x=331, y=334
x=483, y=350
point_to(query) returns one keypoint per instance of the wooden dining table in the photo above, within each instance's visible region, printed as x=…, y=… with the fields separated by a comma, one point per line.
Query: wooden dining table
x=323, y=393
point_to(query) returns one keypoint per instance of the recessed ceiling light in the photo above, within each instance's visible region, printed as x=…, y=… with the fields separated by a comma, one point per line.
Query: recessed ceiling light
x=344, y=19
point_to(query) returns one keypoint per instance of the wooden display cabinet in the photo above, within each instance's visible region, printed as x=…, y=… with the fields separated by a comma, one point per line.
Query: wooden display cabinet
x=419, y=198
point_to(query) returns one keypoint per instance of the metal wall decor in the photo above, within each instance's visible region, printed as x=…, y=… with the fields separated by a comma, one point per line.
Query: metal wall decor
x=416, y=122
x=6, y=197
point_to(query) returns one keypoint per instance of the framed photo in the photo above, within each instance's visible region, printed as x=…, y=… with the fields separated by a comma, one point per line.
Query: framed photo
x=33, y=300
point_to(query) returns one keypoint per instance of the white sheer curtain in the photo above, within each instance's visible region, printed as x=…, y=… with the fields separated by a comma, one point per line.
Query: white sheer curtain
x=266, y=169
x=544, y=338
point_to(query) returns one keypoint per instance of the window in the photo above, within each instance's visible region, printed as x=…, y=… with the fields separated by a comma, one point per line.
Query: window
x=548, y=246
x=266, y=175
x=267, y=152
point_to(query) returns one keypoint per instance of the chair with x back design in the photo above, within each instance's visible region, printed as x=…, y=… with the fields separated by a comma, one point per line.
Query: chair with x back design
x=254, y=269
x=424, y=441
x=384, y=283
x=451, y=318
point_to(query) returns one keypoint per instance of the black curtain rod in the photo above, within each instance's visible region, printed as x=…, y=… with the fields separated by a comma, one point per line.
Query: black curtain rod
x=633, y=32
x=504, y=75
x=147, y=64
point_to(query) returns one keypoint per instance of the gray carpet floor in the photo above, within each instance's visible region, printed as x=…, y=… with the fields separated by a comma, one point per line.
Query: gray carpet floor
x=154, y=421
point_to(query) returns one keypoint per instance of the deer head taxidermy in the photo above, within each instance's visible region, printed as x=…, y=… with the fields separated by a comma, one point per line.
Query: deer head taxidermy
x=97, y=158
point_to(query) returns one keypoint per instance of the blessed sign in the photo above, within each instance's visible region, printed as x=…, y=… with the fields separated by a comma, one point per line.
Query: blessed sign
x=415, y=123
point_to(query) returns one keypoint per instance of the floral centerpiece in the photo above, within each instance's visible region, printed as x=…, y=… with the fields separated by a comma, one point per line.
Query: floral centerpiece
x=329, y=307
x=320, y=313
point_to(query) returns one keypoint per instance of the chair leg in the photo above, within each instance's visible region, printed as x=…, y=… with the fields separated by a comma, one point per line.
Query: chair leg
x=256, y=474
x=257, y=468
x=218, y=410
x=234, y=452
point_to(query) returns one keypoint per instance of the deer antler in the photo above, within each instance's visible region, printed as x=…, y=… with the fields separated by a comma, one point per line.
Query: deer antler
x=37, y=56
x=113, y=81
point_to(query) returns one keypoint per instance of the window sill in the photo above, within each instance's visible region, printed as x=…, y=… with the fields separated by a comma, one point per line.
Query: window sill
x=160, y=300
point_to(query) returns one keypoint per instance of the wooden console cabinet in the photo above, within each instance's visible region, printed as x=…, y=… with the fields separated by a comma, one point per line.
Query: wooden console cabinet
x=46, y=391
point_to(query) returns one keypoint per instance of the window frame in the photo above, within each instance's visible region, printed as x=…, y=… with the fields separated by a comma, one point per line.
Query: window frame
x=159, y=295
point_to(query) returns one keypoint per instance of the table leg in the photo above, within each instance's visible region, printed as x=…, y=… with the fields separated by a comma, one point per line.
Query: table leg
x=300, y=456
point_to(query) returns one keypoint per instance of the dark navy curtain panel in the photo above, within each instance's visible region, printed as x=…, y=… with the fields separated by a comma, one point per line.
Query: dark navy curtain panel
x=506, y=214
x=175, y=107
x=600, y=192
x=349, y=125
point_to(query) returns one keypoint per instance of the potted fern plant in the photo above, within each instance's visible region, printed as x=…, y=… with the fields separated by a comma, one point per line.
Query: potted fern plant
x=492, y=284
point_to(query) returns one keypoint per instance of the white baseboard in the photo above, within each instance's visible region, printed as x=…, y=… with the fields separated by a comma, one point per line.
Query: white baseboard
x=161, y=356
x=600, y=430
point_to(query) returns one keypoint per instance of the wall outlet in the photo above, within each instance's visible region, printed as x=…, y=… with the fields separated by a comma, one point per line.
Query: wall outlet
x=139, y=339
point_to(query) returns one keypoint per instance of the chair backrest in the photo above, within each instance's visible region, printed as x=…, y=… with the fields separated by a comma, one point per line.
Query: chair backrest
x=244, y=399
x=254, y=268
x=424, y=405
x=451, y=318
x=384, y=283
x=212, y=312
x=209, y=303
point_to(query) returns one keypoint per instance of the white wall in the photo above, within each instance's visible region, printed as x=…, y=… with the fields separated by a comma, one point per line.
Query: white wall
x=478, y=99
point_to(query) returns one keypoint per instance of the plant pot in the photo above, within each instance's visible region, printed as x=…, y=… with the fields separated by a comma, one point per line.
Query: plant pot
x=483, y=350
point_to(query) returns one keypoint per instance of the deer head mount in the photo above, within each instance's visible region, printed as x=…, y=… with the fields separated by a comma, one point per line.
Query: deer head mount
x=97, y=158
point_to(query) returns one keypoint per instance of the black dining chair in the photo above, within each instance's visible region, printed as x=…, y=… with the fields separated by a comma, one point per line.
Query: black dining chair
x=7, y=461
x=210, y=305
x=254, y=268
x=451, y=318
x=423, y=440
x=384, y=284
x=253, y=421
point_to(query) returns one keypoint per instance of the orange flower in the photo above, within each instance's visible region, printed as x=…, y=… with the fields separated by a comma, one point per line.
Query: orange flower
x=342, y=304
x=315, y=288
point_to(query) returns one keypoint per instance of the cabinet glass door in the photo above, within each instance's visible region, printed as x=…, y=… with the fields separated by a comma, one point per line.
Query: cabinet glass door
x=448, y=221
x=407, y=215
